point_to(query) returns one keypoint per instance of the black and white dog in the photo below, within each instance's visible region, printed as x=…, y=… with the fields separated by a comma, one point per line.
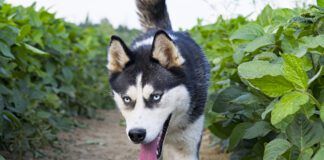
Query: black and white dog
x=160, y=85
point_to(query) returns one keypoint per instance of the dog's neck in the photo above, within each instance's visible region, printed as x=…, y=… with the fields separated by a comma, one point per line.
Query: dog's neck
x=183, y=139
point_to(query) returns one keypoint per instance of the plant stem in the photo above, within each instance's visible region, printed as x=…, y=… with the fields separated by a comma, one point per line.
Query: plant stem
x=315, y=76
x=318, y=105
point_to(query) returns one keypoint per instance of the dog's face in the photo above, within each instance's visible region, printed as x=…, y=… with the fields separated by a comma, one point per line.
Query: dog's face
x=148, y=85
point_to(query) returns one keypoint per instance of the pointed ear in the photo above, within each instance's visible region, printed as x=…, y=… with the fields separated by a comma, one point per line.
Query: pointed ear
x=118, y=55
x=165, y=51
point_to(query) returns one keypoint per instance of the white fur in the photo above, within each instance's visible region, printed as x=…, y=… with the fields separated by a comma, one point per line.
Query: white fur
x=182, y=139
x=147, y=91
x=175, y=100
x=181, y=144
x=117, y=57
x=149, y=41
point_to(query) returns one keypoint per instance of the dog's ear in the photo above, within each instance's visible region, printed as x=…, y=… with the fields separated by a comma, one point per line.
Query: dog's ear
x=165, y=51
x=118, y=55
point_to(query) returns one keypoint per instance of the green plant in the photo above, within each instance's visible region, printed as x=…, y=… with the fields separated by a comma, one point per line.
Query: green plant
x=49, y=70
x=267, y=85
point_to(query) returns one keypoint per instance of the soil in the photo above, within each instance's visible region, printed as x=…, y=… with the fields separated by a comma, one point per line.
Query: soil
x=104, y=138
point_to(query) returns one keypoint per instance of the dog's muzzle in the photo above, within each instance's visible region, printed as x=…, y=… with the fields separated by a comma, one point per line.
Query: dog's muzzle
x=137, y=135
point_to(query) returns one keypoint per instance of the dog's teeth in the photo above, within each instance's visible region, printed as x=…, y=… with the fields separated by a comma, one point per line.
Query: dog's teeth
x=157, y=152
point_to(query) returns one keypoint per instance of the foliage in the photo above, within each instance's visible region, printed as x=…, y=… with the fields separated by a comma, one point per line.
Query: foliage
x=49, y=70
x=267, y=85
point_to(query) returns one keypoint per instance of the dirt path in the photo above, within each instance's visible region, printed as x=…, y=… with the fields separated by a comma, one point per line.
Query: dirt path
x=105, y=139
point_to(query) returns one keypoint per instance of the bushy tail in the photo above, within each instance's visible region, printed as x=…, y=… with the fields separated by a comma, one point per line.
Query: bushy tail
x=153, y=14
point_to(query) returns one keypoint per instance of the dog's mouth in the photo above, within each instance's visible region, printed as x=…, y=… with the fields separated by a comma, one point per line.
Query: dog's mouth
x=153, y=150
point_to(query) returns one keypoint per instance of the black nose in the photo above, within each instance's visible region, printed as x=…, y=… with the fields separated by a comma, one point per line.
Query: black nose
x=137, y=135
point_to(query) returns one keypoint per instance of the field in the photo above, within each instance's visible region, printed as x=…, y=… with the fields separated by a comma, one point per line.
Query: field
x=103, y=138
x=266, y=98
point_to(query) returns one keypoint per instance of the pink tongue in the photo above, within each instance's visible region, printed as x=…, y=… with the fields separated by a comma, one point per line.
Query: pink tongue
x=148, y=151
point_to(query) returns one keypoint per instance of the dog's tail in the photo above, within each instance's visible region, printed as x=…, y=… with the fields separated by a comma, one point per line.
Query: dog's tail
x=153, y=14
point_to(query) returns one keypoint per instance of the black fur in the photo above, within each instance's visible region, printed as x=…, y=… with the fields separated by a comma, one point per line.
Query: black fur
x=153, y=14
x=194, y=73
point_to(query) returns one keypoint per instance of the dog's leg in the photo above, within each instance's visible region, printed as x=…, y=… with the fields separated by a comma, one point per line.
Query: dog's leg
x=184, y=144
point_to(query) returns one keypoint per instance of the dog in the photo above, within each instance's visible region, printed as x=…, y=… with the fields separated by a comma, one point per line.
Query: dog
x=159, y=83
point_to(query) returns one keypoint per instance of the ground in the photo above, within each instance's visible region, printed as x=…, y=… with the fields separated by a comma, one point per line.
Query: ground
x=104, y=138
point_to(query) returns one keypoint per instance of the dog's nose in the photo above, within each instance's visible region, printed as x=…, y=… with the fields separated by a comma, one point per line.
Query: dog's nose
x=137, y=135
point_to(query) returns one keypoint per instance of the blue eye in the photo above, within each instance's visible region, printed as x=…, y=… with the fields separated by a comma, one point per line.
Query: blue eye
x=156, y=97
x=127, y=99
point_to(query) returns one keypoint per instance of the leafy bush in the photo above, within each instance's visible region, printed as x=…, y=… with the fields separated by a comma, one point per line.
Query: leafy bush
x=49, y=70
x=267, y=87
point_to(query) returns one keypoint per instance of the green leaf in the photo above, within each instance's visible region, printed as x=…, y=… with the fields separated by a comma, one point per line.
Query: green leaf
x=246, y=99
x=1, y=106
x=275, y=148
x=265, y=18
x=265, y=56
x=312, y=42
x=289, y=104
x=319, y=154
x=259, y=42
x=273, y=86
x=278, y=33
x=221, y=129
x=269, y=108
x=307, y=63
x=24, y=31
x=1, y=157
x=303, y=133
x=259, y=129
x=308, y=43
x=19, y=101
x=68, y=89
x=4, y=90
x=249, y=31
x=8, y=34
x=4, y=73
x=67, y=73
x=238, y=55
x=322, y=112
x=294, y=153
x=306, y=155
x=222, y=102
x=258, y=69
x=237, y=134
x=283, y=15
x=34, y=50
x=308, y=109
x=282, y=125
x=5, y=50
x=43, y=114
x=294, y=72
x=320, y=3
x=12, y=119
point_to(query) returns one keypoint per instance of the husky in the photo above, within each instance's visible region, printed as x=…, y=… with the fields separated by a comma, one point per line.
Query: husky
x=159, y=83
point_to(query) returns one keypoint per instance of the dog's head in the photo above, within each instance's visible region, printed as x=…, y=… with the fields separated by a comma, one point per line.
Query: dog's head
x=148, y=85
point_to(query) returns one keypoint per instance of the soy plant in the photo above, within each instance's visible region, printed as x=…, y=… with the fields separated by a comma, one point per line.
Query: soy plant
x=267, y=93
x=50, y=70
